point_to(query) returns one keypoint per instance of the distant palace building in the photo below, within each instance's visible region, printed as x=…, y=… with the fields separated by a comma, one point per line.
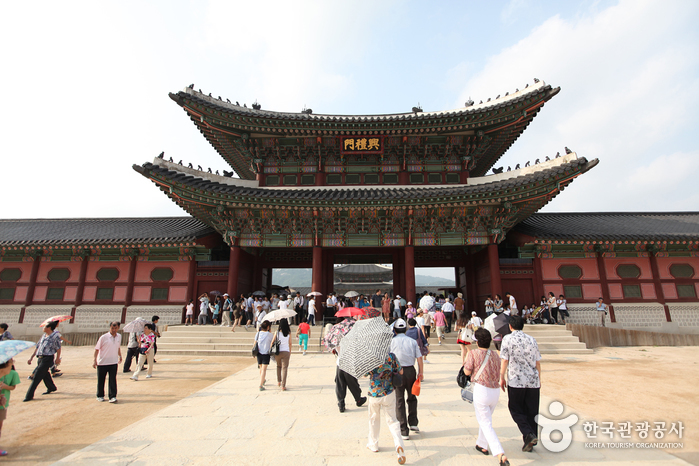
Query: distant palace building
x=314, y=190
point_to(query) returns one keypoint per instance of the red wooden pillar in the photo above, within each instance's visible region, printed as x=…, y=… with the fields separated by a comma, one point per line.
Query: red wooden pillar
x=538, y=275
x=257, y=271
x=317, y=274
x=261, y=180
x=463, y=176
x=36, y=258
x=84, y=260
x=605, y=285
x=658, y=287
x=403, y=177
x=399, y=275
x=233, y=267
x=494, y=265
x=409, y=268
x=129, y=287
x=320, y=179
x=471, y=288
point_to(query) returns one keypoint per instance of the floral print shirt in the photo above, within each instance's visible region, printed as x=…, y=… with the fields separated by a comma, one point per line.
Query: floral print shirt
x=381, y=378
x=147, y=340
x=522, y=352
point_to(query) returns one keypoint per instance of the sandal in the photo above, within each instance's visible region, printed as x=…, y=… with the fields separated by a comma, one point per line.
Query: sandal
x=401, y=455
x=504, y=461
x=482, y=450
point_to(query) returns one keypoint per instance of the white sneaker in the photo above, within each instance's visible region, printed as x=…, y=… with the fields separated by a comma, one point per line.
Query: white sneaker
x=415, y=428
x=112, y=400
x=135, y=379
x=405, y=437
x=99, y=398
x=149, y=376
x=426, y=361
x=304, y=353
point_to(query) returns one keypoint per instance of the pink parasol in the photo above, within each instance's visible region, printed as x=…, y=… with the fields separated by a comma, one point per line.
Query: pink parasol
x=55, y=319
x=350, y=311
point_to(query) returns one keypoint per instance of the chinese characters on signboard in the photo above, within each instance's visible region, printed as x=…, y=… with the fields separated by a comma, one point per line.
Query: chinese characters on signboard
x=362, y=145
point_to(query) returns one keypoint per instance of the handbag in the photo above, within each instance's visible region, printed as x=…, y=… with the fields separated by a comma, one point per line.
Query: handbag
x=255, y=348
x=462, y=379
x=467, y=391
x=416, y=387
x=277, y=345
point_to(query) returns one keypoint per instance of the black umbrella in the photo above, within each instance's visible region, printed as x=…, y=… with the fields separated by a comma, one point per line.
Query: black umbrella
x=502, y=324
x=261, y=294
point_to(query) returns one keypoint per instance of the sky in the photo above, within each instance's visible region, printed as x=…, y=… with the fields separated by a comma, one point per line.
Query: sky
x=86, y=87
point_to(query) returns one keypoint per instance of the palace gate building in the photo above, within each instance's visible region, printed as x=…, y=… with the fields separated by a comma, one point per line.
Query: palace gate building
x=314, y=190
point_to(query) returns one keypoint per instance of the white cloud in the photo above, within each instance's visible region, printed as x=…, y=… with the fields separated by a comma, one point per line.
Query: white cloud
x=629, y=94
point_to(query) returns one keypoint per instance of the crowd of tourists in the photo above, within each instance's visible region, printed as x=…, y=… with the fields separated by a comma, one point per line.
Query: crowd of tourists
x=513, y=365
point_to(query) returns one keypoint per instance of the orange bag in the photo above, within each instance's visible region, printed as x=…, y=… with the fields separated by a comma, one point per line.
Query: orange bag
x=416, y=388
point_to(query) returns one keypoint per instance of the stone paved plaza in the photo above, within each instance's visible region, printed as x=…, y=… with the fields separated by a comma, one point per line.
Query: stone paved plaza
x=232, y=422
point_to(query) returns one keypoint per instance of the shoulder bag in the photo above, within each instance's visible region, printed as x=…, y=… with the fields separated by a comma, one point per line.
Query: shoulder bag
x=255, y=349
x=277, y=345
x=467, y=391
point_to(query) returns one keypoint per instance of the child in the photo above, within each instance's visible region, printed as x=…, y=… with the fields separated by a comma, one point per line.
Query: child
x=304, y=333
x=9, y=379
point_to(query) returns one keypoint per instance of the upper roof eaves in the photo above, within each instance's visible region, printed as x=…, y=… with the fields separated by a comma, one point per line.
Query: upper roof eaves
x=476, y=108
x=612, y=226
x=103, y=231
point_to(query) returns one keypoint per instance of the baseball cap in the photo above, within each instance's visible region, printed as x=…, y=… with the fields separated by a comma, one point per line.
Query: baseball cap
x=400, y=323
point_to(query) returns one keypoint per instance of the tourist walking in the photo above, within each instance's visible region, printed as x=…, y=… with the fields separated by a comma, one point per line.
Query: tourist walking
x=48, y=347
x=448, y=310
x=189, y=314
x=415, y=332
x=132, y=349
x=203, y=309
x=408, y=353
x=6, y=335
x=513, y=304
x=106, y=361
x=226, y=311
x=146, y=351
x=553, y=306
x=521, y=363
x=464, y=333
x=382, y=397
x=458, y=304
x=396, y=307
x=601, y=311
x=440, y=323
x=311, y=310
x=386, y=307
x=426, y=322
x=282, y=359
x=345, y=381
x=563, y=308
x=9, y=379
x=303, y=332
x=483, y=366
x=263, y=339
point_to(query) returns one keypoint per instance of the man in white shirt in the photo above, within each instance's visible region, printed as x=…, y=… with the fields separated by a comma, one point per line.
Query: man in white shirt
x=396, y=307
x=513, y=304
x=312, y=309
x=475, y=322
x=408, y=352
x=107, y=360
x=448, y=309
x=601, y=311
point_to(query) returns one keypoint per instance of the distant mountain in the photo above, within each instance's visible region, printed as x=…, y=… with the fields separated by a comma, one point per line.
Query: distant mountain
x=304, y=277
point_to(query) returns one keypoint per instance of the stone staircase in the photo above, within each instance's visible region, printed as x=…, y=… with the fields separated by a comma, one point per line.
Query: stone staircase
x=209, y=340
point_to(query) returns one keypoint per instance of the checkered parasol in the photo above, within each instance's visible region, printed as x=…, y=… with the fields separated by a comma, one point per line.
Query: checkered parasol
x=365, y=347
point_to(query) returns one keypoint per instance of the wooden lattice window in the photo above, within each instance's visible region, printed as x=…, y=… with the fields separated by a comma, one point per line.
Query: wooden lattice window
x=390, y=178
x=453, y=178
x=59, y=275
x=308, y=180
x=686, y=291
x=334, y=178
x=352, y=178
x=105, y=293
x=10, y=275
x=434, y=178
x=107, y=274
x=7, y=294
x=628, y=271
x=272, y=180
x=569, y=271
x=158, y=294
x=681, y=271
x=290, y=180
x=161, y=274
x=417, y=178
x=572, y=291
x=371, y=178
x=632, y=291
x=55, y=294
